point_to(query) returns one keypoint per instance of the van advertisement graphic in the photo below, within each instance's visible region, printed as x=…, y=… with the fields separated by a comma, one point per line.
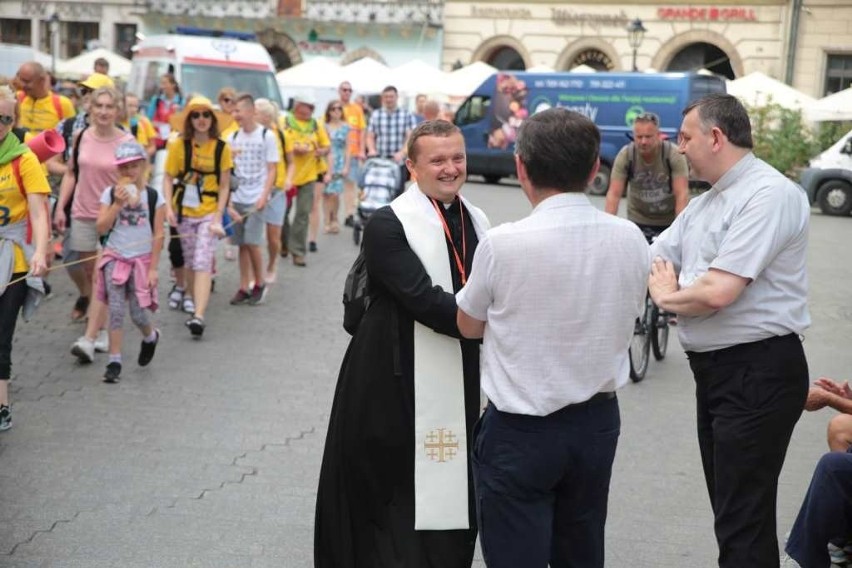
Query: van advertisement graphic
x=607, y=102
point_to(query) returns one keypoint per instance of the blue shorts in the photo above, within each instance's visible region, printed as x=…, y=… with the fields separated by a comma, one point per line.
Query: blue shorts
x=273, y=213
x=354, y=170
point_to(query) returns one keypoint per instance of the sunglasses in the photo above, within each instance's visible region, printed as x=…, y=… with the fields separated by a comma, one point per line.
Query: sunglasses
x=6, y=120
x=648, y=117
x=84, y=91
x=203, y=113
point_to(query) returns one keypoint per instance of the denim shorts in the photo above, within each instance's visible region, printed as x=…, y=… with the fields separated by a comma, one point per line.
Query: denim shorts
x=273, y=213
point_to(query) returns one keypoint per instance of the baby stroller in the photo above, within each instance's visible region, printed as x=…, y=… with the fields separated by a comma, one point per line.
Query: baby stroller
x=379, y=183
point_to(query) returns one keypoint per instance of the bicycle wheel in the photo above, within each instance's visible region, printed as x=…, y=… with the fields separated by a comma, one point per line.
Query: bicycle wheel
x=660, y=333
x=640, y=349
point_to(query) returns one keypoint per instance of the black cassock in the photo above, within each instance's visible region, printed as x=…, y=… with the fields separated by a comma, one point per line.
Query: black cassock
x=365, y=501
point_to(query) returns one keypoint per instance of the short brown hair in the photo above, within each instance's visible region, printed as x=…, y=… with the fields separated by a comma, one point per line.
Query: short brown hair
x=440, y=128
x=245, y=98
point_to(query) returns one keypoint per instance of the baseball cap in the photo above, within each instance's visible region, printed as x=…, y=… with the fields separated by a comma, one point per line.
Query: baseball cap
x=304, y=100
x=129, y=152
x=96, y=81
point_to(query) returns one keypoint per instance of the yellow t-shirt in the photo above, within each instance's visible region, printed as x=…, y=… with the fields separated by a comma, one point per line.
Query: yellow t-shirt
x=13, y=205
x=307, y=134
x=226, y=133
x=203, y=160
x=38, y=115
x=145, y=133
x=354, y=115
x=281, y=166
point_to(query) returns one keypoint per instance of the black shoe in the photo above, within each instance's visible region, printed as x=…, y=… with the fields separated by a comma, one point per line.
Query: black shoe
x=113, y=371
x=349, y=221
x=5, y=417
x=258, y=295
x=196, y=326
x=146, y=351
x=312, y=246
x=48, y=290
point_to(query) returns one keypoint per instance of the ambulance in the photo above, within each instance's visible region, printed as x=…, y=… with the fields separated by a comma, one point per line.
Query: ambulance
x=202, y=65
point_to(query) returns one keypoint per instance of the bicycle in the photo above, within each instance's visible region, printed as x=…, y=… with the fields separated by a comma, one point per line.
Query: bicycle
x=650, y=333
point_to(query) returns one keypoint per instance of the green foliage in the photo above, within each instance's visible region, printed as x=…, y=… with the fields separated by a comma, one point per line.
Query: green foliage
x=783, y=139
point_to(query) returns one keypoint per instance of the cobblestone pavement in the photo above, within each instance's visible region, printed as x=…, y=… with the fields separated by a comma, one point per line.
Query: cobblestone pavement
x=210, y=456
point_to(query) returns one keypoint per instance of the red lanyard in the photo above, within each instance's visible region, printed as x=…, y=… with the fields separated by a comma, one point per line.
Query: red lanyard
x=460, y=261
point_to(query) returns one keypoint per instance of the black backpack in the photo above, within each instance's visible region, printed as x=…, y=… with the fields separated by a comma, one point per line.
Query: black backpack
x=180, y=181
x=152, y=209
x=356, y=294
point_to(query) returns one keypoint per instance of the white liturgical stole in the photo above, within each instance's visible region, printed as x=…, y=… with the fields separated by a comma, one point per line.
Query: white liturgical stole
x=440, y=434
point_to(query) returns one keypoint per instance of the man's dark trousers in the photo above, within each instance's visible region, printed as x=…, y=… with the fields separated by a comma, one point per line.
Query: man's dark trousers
x=826, y=513
x=542, y=484
x=749, y=398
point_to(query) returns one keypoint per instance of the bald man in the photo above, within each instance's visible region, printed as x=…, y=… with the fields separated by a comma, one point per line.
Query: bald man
x=40, y=108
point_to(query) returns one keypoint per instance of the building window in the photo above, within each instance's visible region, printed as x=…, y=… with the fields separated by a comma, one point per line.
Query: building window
x=838, y=75
x=507, y=59
x=78, y=34
x=125, y=38
x=18, y=32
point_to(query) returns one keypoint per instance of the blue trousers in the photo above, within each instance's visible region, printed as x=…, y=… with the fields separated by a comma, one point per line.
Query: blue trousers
x=826, y=513
x=542, y=485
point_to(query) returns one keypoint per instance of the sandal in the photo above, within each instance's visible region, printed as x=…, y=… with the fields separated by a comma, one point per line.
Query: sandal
x=175, y=298
x=188, y=304
x=81, y=306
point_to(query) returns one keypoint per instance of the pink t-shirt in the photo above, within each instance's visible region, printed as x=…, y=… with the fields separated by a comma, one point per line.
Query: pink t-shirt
x=97, y=172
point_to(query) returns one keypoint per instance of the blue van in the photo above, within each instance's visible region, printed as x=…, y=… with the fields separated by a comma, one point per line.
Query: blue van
x=490, y=117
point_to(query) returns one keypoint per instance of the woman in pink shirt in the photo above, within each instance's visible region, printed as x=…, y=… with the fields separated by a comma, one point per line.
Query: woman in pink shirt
x=91, y=169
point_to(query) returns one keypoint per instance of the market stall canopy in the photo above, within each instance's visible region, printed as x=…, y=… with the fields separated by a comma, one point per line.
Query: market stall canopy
x=84, y=64
x=415, y=77
x=583, y=69
x=833, y=107
x=757, y=89
x=316, y=72
x=368, y=75
x=462, y=82
x=540, y=69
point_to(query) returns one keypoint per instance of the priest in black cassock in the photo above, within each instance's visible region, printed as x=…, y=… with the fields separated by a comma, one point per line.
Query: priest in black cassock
x=395, y=488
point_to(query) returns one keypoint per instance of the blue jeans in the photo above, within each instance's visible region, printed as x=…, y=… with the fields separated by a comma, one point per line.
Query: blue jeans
x=542, y=485
x=826, y=512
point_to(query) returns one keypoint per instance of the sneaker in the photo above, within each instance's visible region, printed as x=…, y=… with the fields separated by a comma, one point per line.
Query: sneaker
x=241, y=297
x=258, y=295
x=787, y=562
x=196, y=326
x=113, y=372
x=83, y=349
x=175, y=298
x=102, y=342
x=146, y=350
x=837, y=554
x=48, y=290
x=349, y=221
x=5, y=417
x=312, y=246
x=188, y=305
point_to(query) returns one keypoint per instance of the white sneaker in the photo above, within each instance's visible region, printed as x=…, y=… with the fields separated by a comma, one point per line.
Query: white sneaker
x=84, y=349
x=787, y=562
x=102, y=342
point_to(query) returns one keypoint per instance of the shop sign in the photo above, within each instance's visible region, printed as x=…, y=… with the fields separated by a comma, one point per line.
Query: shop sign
x=501, y=13
x=708, y=14
x=318, y=46
x=565, y=17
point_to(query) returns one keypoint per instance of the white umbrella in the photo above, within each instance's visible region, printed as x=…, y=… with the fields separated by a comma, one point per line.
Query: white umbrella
x=462, y=82
x=368, y=75
x=540, y=69
x=757, y=89
x=415, y=77
x=316, y=72
x=833, y=107
x=84, y=64
x=583, y=69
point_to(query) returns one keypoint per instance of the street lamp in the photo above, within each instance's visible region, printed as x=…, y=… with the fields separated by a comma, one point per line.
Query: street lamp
x=53, y=23
x=635, y=35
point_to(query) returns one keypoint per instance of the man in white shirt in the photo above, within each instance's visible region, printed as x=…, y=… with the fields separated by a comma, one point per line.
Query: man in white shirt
x=255, y=152
x=554, y=297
